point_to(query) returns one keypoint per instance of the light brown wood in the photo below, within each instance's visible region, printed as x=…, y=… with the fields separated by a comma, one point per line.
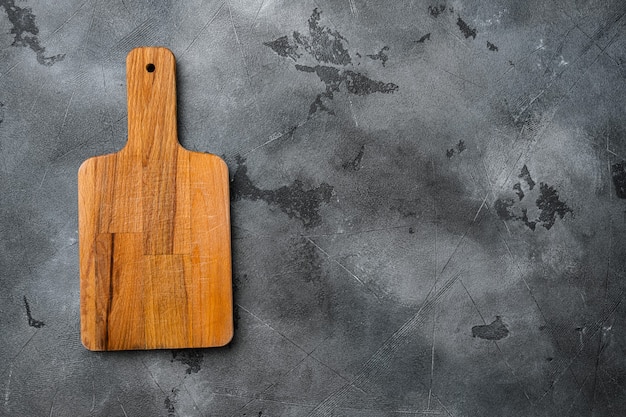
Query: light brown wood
x=154, y=229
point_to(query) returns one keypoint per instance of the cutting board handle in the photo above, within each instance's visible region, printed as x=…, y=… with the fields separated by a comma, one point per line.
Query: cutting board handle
x=151, y=90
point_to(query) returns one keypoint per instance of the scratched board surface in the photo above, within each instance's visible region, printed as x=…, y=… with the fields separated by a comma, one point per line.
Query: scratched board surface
x=428, y=204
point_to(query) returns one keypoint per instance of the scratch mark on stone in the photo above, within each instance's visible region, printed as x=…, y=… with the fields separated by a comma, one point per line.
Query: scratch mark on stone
x=7, y=390
x=277, y=135
x=152, y=376
x=243, y=55
x=66, y=21
x=203, y=28
x=353, y=275
x=67, y=110
x=52, y=402
x=462, y=238
x=353, y=9
x=271, y=328
x=589, y=335
x=31, y=321
x=26, y=32
x=122, y=407
x=462, y=78
x=256, y=16
x=93, y=395
x=386, y=351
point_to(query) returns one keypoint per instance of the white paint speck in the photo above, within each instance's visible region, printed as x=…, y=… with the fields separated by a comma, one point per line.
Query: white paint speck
x=541, y=45
x=7, y=389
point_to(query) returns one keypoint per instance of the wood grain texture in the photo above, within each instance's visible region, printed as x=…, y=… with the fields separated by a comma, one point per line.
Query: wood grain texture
x=154, y=229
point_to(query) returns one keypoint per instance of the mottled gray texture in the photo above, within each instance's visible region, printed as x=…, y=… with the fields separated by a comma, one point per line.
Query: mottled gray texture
x=428, y=205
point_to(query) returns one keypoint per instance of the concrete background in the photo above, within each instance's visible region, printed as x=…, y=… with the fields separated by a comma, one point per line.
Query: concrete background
x=427, y=201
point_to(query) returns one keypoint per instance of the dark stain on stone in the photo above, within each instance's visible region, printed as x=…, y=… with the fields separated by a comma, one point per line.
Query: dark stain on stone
x=424, y=38
x=407, y=208
x=550, y=206
x=618, y=172
x=525, y=175
x=459, y=148
x=497, y=330
x=359, y=84
x=524, y=218
x=318, y=104
x=324, y=44
x=305, y=257
x=25, y=31
x=236, y=316
x=295, y=200
x=170, y=402
x=1, y=112
x=492, y=47
x=328, y=47
x=435, y=11
x=411, y=230
x=503, y=208
x=31, y=321
x=465, y=29
x=283, y=48
x=191, y=357
x=518, y=190
x=355, y=164
x=337, y=80
x=381, y=55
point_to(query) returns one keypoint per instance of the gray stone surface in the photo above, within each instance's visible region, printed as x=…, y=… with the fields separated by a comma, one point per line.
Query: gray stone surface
x=428, y=204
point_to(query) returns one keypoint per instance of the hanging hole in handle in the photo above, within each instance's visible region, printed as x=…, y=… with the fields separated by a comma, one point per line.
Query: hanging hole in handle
x=150, y=67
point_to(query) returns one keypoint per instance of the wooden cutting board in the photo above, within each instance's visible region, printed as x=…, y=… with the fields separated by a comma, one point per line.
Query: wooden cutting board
x=154, y=229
